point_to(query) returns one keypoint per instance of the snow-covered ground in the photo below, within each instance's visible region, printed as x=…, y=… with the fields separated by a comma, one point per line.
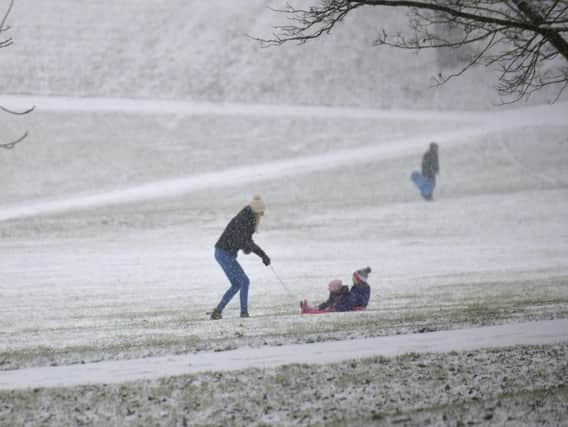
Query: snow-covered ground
x=123, y=371
x=155, y=124
x=107, y=252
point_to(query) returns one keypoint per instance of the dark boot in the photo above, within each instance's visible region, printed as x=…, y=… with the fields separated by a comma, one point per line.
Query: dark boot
x=244, y=314
x=216, y=315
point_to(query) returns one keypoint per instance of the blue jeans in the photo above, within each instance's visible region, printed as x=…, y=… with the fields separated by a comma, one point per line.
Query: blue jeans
x=236, y=275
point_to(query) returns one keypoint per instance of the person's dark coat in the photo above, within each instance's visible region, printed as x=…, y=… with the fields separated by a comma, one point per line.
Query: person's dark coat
x=358, y=297
x=338, y=297
x=430, y=165
x=238, y=235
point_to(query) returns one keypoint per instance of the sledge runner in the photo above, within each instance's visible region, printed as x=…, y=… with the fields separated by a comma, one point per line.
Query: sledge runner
x=238, y=236
x=341, y=298
x=426, y=181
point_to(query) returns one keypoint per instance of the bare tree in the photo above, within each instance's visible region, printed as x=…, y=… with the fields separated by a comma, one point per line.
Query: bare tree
x=5, y=42
x=525, y=39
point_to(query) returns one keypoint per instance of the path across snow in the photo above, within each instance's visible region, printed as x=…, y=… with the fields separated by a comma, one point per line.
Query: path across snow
x=188, y=108
x=479, y=124
x=121, y=371
x=176, y=187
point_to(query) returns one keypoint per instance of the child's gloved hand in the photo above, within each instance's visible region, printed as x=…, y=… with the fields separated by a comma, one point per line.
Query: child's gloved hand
x=266, y=260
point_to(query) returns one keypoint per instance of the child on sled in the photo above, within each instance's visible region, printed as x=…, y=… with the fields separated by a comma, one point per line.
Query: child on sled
x=341, y=298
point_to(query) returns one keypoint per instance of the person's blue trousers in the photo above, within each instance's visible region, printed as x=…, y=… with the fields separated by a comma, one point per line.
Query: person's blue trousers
x=425, y=185
x=236, y=275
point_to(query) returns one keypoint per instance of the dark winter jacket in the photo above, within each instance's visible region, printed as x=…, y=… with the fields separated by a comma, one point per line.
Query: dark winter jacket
x=338, y=297
x=430, y=166
x=358, y=297
x=238, y=235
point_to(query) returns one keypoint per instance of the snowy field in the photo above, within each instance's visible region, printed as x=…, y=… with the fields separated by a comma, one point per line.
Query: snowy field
x=107, y=254
x=154, y=125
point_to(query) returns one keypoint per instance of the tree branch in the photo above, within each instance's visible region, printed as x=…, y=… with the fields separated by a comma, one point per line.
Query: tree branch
x=453, y=12
x=17, y=113
x=520, y=36
x=5, y=43
x=3, y=28
x=5, y=17
x=12, y=144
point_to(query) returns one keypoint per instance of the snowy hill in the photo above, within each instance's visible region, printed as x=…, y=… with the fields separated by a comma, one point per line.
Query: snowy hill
x=199, y=51
x=110, y=210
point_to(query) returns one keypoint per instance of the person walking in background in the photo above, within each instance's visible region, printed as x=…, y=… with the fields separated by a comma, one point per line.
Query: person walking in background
x=238, y=236
x=426, y=181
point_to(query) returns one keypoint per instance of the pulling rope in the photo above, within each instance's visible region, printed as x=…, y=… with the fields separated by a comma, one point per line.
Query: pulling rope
x=288, y=291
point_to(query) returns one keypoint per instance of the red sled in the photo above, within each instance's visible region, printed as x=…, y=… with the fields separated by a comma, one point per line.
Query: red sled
x=305, y=308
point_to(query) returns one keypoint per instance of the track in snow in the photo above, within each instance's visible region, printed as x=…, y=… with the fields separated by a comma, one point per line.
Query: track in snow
x=483, y=124
x=121, y=371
